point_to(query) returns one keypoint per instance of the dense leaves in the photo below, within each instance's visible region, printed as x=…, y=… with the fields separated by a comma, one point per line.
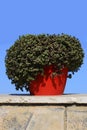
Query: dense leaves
x=30, y=53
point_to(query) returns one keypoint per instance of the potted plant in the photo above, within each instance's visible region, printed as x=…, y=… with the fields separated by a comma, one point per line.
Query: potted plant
x=40, y=63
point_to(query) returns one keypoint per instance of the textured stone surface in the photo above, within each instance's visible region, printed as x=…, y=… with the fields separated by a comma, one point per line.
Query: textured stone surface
x=14, y=118
x=23, y=112
x=47, y=118
x=63, y=99
x=31, y=118
x=77, y=118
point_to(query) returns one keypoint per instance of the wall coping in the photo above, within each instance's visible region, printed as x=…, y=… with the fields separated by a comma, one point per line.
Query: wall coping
x=27, y=99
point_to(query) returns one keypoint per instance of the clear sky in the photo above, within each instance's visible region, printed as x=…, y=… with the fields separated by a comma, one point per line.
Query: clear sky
x=18, y=17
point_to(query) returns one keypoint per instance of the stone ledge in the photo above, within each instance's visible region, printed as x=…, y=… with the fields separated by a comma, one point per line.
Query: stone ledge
x=25, y=99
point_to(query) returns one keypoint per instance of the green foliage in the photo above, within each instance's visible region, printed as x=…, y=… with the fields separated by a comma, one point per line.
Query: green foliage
x=30, y=53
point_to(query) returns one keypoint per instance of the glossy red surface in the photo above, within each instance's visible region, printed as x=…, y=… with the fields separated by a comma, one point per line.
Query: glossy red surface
x=47, y=84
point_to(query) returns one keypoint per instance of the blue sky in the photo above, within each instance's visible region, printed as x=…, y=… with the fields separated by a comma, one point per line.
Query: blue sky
x=20, y=17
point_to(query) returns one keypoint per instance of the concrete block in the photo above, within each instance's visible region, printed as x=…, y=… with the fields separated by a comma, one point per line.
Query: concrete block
x=14, y=117
x=47, y=118
x=31, y=118
x=77, y=118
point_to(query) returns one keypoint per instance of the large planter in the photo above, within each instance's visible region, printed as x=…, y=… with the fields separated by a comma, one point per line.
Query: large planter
x=47, y=84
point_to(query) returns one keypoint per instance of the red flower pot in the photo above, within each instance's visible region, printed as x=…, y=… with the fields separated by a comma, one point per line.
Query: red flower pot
x=48, y=84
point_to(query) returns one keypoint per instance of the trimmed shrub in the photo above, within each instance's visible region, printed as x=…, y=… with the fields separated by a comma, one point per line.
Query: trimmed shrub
x=30, y=53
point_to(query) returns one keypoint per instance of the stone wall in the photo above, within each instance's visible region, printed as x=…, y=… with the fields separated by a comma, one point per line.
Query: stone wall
x=23, y=112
